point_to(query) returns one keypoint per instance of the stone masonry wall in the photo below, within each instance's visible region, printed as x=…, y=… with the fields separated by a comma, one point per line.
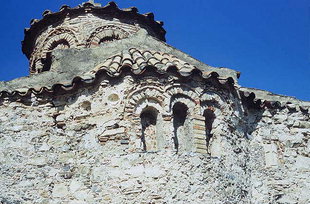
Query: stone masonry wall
x=280, y=156
x=86, y=147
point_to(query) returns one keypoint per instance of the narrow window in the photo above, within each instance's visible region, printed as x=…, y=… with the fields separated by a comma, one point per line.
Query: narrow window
x=209, y=119
x=179, y=117
x=148, y=123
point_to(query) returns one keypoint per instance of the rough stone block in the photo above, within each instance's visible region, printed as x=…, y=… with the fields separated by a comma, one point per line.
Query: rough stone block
x=303, y=163
x=60, y=191
x=271, y=155
x=38, y=161
x=113, y=132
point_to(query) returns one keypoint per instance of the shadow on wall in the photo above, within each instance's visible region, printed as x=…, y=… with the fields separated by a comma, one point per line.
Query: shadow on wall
x=182, y=128
x=179, y=117
x=209, y=119
x=148, y=123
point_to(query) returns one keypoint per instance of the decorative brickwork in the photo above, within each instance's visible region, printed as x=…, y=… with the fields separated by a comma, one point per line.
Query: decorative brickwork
x=118, y=116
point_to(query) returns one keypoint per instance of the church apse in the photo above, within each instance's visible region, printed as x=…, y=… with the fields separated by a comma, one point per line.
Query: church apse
x=113, y=114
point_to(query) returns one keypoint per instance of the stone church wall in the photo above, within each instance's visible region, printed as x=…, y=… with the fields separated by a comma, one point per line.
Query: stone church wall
x=87, y=147
x=119, y=116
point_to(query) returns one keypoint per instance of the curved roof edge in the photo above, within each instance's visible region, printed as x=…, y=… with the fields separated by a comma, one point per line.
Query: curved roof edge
x=253, y=98
x=90, y=78
x=257, y=98
x=111, y=8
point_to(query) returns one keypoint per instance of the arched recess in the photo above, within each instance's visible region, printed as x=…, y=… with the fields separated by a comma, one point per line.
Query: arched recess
x=209, y=117
x=181, y=98
x=211, y=97
x=207, y=130
x=151, y=93
x=143, y=106
x=181, y=91
x=181, y=139
x=105, y=34
x=182, y=108
x=60, y=38
x=58, y=44
x=149, y=120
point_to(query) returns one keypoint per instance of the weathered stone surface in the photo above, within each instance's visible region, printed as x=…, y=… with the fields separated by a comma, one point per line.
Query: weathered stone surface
x=144, y=136
x=38, y=161
x=60, y=191
x=271, y=155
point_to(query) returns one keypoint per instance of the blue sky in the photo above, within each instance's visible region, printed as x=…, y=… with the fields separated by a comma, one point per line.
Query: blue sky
x=266, y=40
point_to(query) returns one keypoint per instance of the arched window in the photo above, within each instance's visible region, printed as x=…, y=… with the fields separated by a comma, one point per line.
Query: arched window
x=108, y=39
x=179, y=118
x=59, y=44
x=47, y=60
x=209, y=119
x=106, y=34
x=148, y=123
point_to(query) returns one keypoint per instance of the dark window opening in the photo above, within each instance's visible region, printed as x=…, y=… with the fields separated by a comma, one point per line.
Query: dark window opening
x=179, y=117
x=148, y=123
x=47, y=62
x=108, y=39
x=209, y=119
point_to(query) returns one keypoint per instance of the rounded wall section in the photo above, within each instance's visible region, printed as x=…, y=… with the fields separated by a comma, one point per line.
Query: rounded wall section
x=88, y=25
x=86, y=31
x=58, y=38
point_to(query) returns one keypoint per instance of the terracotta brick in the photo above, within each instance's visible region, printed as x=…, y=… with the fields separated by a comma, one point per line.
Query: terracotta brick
x=198, y=127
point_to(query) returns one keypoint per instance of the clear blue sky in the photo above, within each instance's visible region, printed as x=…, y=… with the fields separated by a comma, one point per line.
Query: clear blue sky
x=266, y=40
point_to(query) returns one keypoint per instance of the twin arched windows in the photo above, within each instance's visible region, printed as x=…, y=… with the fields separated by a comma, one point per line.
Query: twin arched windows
x=182, y=128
